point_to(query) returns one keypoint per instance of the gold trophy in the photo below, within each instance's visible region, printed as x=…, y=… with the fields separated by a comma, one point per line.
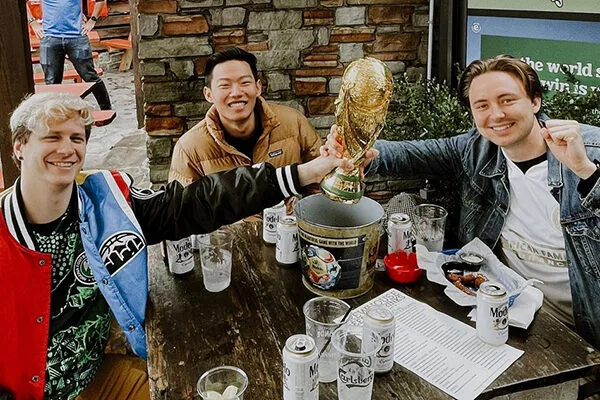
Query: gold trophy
x=361, y=108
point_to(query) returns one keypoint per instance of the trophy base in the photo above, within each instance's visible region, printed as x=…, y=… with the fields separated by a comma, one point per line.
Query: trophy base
x=343, y=187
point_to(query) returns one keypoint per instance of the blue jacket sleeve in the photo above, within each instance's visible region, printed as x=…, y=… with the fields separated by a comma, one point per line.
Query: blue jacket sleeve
x=432, y=158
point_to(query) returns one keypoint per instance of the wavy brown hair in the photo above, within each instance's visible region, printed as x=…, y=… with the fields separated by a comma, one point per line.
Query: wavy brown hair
x=502, y=63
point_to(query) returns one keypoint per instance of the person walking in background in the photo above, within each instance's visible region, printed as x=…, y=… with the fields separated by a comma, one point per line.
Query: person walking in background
x=63, y=32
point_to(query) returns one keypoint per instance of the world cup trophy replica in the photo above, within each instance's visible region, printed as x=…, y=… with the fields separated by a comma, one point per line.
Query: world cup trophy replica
x=361, y=108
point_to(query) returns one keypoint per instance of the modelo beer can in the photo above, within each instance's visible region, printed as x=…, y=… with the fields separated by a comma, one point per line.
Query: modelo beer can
x=300, y=368
x=492, y=313
x=179, y=256
x=271, y=218
x=400, y=236
x=286, y=250
x=382, y=321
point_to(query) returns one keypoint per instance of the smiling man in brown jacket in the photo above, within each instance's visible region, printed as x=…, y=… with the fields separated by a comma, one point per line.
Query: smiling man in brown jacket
x=240, y=128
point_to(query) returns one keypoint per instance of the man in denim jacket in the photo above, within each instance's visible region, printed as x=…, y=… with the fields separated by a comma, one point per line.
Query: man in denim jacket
x=529, y=185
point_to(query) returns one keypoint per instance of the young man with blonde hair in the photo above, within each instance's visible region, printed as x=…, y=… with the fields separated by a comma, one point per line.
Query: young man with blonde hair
x=530, y=185
x=73, y=251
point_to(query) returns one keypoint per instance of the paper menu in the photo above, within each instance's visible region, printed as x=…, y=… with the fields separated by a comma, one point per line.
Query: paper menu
x=440, y=349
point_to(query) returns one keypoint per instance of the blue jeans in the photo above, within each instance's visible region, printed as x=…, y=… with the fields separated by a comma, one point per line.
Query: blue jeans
x=52, y=57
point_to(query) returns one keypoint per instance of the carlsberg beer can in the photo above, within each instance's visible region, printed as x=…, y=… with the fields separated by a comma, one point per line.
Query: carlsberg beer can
x=300, y=368
x=271, y=218
x=400, y=236
x=179, y=255
x=286, y=250
x=380, y=320
x=492, y=313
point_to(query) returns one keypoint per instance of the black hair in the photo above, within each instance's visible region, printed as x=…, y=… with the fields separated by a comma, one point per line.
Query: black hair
x=233, y=53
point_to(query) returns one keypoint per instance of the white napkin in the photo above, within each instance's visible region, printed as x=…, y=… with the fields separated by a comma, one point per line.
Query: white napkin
x=524, y=301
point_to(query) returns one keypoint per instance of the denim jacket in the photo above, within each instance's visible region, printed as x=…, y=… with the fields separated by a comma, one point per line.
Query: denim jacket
x=479, y=169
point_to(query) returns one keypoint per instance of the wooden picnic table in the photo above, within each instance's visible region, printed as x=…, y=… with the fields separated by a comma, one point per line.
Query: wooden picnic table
x=78, y=89
x=191, y=330
x=101, y=117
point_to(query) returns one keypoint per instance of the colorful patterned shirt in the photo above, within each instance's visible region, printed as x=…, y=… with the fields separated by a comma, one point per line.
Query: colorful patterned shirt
x=80, y=315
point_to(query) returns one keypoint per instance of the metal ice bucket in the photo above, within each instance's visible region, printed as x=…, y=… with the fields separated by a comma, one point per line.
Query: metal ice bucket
x=338, y=245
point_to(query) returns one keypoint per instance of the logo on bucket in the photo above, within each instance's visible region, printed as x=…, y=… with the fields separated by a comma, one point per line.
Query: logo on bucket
x=331, y=264
x=321, y=268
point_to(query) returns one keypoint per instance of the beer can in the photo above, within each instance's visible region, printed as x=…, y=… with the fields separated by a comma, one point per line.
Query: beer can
x=400, y=236
x=300, y=368
x=179, y=256
x=380, y=320
x=492, y=313
x=271, y=218
x=286, y=250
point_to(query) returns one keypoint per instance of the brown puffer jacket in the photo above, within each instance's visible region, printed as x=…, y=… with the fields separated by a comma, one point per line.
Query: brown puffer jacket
x=287, y=138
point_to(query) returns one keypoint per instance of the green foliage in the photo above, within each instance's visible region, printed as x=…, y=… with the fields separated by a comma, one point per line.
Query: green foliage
x=425, y=109
x=584, y=108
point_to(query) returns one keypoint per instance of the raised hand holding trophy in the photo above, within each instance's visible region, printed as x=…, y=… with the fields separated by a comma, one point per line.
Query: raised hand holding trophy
x=361, y=108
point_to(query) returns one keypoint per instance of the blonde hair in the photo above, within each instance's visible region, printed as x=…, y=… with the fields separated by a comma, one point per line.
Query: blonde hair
x=36, y=112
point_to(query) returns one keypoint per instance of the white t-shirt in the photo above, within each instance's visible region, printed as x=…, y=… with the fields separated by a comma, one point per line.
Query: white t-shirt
x=532, y=241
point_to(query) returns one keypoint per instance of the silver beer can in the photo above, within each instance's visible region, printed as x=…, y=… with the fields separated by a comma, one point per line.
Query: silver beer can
x=271, y=218
x=492, y=313
x=300, y=368
x=380, y=320
x=400, y=236
x=286, y=250
x=179, y=255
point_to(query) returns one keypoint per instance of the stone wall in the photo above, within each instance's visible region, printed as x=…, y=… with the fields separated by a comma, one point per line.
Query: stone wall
x=302, y=48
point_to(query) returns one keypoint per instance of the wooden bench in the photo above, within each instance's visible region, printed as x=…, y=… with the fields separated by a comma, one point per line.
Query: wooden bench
x=69, y=74
x=121, y=44
x=103, y=117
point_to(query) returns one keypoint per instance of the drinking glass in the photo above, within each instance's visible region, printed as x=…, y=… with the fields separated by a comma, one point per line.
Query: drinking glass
x=356, y=363
x=429, y=224
x=219, y=380
x=215, y=255
x=323, y=315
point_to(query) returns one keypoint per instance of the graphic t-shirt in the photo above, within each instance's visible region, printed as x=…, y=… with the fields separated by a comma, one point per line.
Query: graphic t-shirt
x=80, y=316
x=532, y=241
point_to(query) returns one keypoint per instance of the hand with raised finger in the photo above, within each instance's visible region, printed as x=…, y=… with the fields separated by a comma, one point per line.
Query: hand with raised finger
x=564, y=140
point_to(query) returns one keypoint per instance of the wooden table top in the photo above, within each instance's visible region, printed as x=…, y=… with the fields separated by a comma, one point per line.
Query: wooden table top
x=78, y=89
x=191, y=330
